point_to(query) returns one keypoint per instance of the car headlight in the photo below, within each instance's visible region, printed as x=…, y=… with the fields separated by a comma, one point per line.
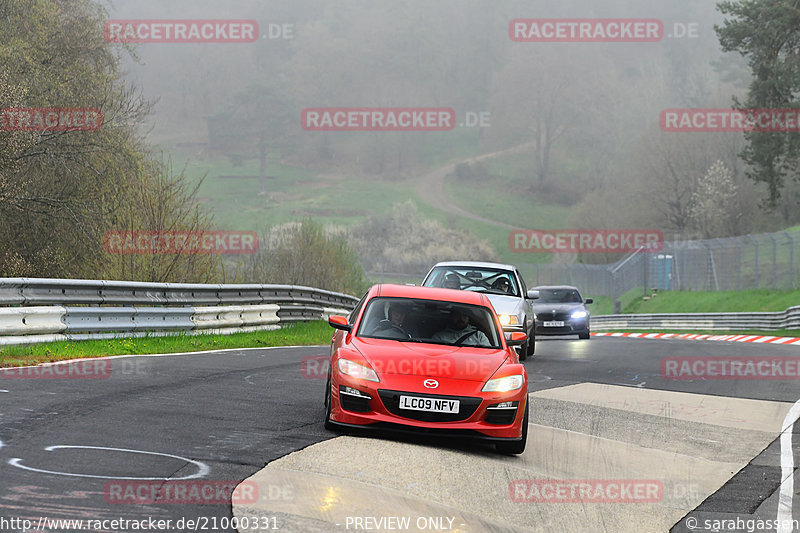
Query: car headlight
x=505, y=384
x=579, y=314
x=509, y=320
x=357, y=371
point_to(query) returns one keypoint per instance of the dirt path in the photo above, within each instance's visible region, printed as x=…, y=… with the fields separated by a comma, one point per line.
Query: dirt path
x=430, y=187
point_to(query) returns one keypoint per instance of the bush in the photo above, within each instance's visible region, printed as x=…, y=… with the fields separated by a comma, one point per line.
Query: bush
x=404, y=242
x=306, y=254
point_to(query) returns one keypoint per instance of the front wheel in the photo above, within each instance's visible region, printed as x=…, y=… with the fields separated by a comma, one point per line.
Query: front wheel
x=522, y=351
x=531, y=343
x=518, y=446
x=584, y=335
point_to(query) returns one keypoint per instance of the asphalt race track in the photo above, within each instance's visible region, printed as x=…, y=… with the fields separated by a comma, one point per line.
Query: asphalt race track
x=601, y=415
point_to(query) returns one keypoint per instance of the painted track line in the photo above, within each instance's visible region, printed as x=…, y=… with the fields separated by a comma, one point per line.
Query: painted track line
x=172, y=354
x=766, y=339
x=787, y=471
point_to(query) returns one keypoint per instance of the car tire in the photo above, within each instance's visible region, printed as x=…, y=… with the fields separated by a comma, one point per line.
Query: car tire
x=522, y=351
x=531, y=343
x=328, y=400
x=584, y=335
x=516, y=447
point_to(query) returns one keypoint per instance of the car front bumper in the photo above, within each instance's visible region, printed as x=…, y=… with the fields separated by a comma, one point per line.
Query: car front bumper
x=571, y=326
x=479, y=415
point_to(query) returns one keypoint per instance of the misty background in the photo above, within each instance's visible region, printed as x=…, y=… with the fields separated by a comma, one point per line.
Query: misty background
x=572, y=140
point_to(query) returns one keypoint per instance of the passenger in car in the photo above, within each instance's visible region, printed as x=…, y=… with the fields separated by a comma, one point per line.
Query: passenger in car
x=459, y=330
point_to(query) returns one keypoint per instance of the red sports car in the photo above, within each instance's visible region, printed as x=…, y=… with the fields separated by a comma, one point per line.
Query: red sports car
x=429, y=360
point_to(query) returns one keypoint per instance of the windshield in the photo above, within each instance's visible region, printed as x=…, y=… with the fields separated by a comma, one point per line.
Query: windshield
x=491, y=280
x=429, y=321
x=562, y=296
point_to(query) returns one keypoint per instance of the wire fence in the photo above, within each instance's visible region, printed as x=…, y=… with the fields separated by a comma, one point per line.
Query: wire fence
x=763, y=261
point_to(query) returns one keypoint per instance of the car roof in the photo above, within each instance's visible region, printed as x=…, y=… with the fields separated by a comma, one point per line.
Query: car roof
x=555, y=287
x=474, y=264
x=429, y=293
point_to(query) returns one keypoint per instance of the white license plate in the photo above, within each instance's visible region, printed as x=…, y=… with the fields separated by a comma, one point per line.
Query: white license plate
x=554, y=324
x=431, y=405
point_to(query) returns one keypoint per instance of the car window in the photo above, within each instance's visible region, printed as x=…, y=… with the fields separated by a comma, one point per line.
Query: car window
x=429, y=321
x=559, y=296
x=479, y=279
x=351, y=318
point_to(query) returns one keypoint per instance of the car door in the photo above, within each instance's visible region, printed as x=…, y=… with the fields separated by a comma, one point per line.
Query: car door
x=528, y=304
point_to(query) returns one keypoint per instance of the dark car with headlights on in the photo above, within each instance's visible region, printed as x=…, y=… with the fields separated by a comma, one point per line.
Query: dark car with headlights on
x=561, y=310
x=503, y=286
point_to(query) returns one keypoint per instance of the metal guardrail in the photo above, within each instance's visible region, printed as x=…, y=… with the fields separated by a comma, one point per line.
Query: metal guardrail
x=44, y=310
x=45, y=291
x=768, y=321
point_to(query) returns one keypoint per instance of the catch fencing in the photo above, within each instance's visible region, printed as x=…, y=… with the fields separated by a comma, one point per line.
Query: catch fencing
x=764, y=261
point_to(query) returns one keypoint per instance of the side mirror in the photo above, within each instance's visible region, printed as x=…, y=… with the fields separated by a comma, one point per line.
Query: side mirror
x=588, y=300
x=533, y=294
x=516, y=338
x=339, y=322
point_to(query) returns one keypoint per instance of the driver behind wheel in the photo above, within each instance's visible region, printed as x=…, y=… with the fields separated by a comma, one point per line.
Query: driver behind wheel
x=393, y=327
x=501, y=284
x=451, y=282
x=460, y=331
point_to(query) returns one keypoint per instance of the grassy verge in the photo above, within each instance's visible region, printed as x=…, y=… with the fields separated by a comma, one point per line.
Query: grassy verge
x=300, y=333
x=713, y=302
x=698, y=302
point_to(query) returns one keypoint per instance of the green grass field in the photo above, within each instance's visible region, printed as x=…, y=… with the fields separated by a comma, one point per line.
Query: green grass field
x=704, y=302
x=344, y=199
x=698, y=302
x=295, y=334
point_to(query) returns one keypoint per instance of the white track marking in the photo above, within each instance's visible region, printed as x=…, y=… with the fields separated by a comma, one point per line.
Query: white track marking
x=202, y=468
x=787, y=470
